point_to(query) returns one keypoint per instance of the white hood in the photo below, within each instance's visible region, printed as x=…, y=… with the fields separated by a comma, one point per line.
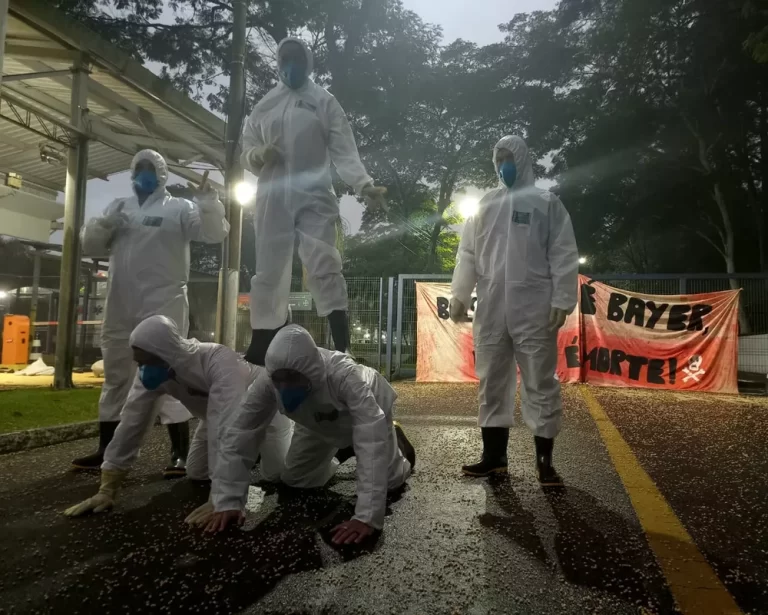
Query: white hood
x=161, y=167
x=307, y=53
x=293, y=348
x=519, y=149
x=159, y=336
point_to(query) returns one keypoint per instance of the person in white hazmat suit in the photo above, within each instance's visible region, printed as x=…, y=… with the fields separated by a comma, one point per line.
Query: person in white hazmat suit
x=335, y=403
x=147, y=239
x=520, y=251
x=210, y=380
x=289, y=141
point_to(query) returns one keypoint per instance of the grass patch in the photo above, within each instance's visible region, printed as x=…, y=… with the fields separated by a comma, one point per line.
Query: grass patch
x=29, y=408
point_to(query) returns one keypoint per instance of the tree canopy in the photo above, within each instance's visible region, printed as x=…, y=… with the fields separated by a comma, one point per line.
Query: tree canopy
x=650, y=117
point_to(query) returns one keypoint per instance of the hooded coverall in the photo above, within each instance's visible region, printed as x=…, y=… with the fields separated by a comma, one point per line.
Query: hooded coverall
x=210, y=380
x=295, y=197
x=349, y=404
x=148, y=275
x=520, y=251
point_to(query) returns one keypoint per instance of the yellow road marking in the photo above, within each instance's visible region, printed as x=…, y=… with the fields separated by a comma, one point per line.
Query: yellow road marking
x=694, y=585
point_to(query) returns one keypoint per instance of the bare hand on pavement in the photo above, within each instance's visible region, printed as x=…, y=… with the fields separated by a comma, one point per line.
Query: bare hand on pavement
x=221, y=520
x=352, y=531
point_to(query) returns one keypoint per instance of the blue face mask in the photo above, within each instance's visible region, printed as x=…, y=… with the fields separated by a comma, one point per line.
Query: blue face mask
x=292, y=75
x=508, y=173
x=292, y=397
x=152, y=376
x=146, y=182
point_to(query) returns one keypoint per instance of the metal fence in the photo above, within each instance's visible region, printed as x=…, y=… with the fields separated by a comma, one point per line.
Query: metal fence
x=365, y=317
x=382, y=314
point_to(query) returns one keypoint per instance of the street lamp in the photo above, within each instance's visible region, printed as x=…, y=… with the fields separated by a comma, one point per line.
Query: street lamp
x=468, y=207
x=582, y=260
x=245, y=192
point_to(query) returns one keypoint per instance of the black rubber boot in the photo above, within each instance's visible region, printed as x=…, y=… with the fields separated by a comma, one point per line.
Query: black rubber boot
x=404, y=444
x=260, y=341
x=344, y=453
x=94, y=461
x=546, y=473
x=339, y=329
x=494, y=460
x=179, y=435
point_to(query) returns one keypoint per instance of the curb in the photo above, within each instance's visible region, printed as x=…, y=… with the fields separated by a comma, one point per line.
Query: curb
x=45, y=436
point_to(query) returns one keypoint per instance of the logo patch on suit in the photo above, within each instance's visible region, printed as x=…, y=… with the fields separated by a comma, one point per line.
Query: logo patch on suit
x=331, y=415
x=152, y=221
x=521, y=217
x=303, y=104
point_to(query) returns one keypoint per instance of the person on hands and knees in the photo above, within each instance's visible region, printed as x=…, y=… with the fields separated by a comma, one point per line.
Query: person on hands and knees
x=290, y=140
x=335, y=403
x=147, y=239
x=519, y=250
x=210, y=380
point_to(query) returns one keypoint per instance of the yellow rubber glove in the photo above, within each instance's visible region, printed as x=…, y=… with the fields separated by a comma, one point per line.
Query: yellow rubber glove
x=105, y=498
x=201, y=515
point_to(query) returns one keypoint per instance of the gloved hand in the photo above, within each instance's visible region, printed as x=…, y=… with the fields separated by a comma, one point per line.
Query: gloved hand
x=251, y=160
x=557, y=318
x=116, y=219
x=205, y=195
x=457, y=310
x=201, y=515
x=104, y=499
x=271, y=156
x=374, y=196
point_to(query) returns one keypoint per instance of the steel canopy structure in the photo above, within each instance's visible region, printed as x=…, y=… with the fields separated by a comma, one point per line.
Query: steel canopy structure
x=74, y=108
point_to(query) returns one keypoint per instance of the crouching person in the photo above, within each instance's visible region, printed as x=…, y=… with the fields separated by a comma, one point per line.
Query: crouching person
x=210, y=380
x=335, y=403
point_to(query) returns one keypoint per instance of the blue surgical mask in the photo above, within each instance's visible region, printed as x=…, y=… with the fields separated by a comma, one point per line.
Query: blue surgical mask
x=293, y=397
x=153, y=376
x=292, y=75
x=508, y=173
x=146, y=182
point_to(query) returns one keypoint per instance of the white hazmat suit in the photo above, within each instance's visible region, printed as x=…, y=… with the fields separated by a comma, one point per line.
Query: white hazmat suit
x=349, y=404
x=148, y=248
x=210, y=380
x=296, y=197
x=520, y=251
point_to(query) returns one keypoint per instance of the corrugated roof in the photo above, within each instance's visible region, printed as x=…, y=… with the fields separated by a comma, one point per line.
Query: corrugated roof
x=129, y=108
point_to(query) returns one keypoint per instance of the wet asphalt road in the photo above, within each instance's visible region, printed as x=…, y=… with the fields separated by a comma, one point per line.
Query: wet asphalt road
x=450, y=545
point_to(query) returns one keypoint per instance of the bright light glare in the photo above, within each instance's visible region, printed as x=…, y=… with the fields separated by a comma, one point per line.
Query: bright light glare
x=583, y=260
x=3, y=294
x=244, y=193
x=468, y=207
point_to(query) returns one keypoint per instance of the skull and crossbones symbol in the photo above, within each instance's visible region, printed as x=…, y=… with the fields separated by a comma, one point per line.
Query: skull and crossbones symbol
x=694, y=371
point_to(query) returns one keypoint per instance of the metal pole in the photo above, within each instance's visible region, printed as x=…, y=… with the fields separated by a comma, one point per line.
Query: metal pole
x=86, y=301
x=400, y=295
x=230, y=257
x=390, y=301
x=35, y=296
x=3, y=28
x=74, y=208
x=381, y=319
